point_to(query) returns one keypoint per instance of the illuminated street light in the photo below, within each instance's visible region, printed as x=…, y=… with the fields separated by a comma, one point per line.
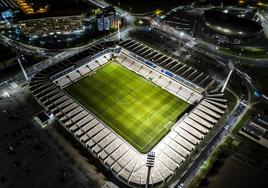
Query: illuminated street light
x=5, y=94
x=157, y=12
x=140, y=22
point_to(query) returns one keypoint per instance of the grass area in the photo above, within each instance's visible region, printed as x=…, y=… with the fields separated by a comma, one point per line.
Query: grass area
x=231, y=100
x=260, y=76
x=138, y=110
x=235, y=85
x=254, y=53
x=243, y=120
x=204, y=169
x=210, y=162
x=261, y=107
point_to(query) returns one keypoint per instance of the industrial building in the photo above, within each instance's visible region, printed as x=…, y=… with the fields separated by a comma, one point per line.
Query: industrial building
x=52, y=25
x=257, y=130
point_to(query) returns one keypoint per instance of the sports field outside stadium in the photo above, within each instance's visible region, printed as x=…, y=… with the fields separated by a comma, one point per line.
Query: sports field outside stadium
x=135, y=108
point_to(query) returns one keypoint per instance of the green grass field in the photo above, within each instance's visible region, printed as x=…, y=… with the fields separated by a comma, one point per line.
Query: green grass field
x=138, y=110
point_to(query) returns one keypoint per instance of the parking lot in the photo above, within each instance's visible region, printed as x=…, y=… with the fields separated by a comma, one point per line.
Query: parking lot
x=26, y=153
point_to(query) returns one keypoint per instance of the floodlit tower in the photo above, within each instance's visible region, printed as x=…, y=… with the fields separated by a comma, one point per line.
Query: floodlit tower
x=181, y=35
x=194, y=28
x=231, y=67
x=23, y=70
x=149, y=164
x=118, y=27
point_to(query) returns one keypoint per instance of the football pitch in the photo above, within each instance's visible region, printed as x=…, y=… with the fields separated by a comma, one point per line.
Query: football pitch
x=135, y=108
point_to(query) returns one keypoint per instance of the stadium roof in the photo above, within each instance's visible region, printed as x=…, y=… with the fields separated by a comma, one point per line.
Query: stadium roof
x=231, y=25
x=113, y=151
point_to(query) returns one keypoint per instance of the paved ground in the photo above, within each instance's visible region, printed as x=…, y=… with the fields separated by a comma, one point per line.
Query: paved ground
x=28, y=157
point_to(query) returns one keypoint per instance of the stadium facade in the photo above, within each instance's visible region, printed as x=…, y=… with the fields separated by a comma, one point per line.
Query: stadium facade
x=228, y=28
x=115, y=153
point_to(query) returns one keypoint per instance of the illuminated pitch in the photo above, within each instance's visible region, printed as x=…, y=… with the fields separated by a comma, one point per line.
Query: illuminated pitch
x=137, y=109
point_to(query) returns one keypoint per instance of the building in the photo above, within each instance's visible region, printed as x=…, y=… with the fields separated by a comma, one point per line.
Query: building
x=229, y=28
x=51, y=25
x=257, y=130
x=29, y=7
x=7, y=14
x=107, y=19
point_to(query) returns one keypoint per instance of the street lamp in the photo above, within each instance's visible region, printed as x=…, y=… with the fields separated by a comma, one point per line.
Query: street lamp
x=149, y=164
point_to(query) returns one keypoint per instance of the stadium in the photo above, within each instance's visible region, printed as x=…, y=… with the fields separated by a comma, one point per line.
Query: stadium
x=121, y=101
x=227, y=27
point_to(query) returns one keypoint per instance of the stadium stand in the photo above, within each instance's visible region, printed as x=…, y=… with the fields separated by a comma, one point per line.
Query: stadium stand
x=82, y=71
x=116, y=154
x=173, y=86
x=155, y=57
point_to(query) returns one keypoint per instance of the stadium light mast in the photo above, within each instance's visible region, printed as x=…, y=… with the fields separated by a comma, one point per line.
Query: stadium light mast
x=118, y=28
x=181, y=34
x=194, y=28
x=231, y=67
x=149, y=164
x=23, y=70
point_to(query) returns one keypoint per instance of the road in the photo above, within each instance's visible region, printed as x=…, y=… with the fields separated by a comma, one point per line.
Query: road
x=233, y=118
x=63, y=55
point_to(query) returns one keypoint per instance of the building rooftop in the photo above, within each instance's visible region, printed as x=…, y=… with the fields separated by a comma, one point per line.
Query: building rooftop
x=23, y=17
x=231, y=25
